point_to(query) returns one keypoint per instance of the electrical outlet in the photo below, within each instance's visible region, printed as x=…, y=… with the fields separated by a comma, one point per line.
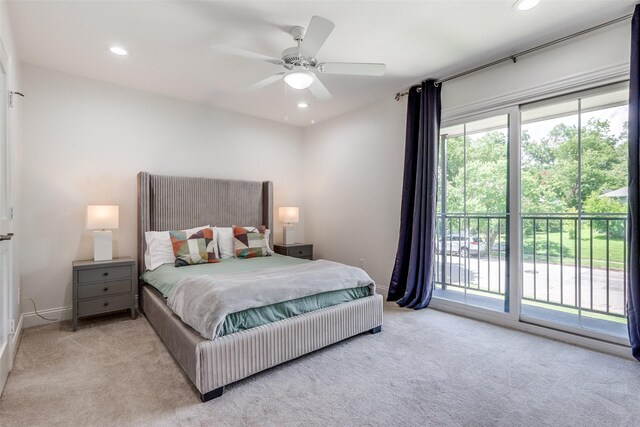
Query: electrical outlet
x=12, y=326
x=361, y=262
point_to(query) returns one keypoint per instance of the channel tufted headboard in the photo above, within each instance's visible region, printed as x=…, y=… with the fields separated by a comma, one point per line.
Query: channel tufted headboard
x=177, y=203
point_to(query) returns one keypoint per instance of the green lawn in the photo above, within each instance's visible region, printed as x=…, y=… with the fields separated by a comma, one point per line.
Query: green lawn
x=616, y=248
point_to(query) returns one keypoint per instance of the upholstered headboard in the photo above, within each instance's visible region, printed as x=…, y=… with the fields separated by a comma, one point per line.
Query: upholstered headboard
x=178, y=203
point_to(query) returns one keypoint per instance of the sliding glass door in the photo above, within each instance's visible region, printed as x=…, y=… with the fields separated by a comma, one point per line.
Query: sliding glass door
x=532, y=213
x=473, y=218
x=574, y=181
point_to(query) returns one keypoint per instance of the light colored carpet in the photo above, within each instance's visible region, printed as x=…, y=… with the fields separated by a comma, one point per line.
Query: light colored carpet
x=425, y=368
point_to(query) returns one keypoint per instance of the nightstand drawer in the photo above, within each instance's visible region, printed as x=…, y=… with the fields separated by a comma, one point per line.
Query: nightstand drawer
x=301, y=252
x=104, y=289
x=103, y=305
x=297, y=250
x=102, y=274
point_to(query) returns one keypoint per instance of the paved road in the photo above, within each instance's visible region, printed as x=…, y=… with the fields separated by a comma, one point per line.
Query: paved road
x=562, y=281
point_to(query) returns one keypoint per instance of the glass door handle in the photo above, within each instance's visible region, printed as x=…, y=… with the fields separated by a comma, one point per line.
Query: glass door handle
x=7, y=236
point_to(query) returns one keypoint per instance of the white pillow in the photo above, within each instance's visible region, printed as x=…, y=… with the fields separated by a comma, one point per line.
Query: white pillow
x=160, y=250
x=225, y=241
x=266, y=236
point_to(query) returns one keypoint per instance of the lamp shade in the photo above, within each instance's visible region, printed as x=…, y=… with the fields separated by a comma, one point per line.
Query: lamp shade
x=289, y=214
x=102, y=217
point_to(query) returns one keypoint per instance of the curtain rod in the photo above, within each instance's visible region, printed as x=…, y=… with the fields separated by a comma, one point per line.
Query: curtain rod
x=515, y=56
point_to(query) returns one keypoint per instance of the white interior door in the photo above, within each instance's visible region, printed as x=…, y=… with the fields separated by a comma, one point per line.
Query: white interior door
x=5, y=228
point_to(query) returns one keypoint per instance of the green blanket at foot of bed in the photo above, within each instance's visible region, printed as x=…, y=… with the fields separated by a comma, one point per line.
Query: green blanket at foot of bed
x=253, y=317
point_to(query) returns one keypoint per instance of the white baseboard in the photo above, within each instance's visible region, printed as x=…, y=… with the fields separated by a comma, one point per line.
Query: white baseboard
x=31, y=319
x=15, y=340
x=59, y=314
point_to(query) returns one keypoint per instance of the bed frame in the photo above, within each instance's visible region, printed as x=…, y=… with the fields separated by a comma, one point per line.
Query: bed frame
x=169, y=203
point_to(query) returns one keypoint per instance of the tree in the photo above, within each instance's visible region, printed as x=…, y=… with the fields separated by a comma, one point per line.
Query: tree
x=485, y=179
x=549, y=174
x=550, y=170
x=601, y=205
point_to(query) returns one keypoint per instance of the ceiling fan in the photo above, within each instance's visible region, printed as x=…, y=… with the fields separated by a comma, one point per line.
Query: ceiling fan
x=300, y=63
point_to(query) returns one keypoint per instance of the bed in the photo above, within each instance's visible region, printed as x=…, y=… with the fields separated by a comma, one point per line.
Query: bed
x=168, y=203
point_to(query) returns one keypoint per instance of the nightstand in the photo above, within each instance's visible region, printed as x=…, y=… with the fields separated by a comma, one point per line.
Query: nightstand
x=296, y=250
x=102, y=287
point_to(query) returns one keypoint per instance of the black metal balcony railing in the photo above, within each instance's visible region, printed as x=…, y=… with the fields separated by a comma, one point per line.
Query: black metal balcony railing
x=568, y=261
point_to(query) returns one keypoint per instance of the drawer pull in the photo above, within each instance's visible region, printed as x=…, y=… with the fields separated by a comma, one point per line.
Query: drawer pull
x=106, y=303
x=105, y=289
x=106, y=273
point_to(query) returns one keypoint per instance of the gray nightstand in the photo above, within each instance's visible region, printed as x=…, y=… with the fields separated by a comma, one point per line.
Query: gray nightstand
x=296, y=250
x=102, y=287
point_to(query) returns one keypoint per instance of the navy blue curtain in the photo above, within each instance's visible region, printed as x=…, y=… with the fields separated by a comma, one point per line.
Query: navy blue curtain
x=412, y=279
x=633, y=230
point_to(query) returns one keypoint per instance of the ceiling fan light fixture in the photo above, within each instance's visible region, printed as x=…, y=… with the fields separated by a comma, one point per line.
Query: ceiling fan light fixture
x=525, y=4
x=299, y=79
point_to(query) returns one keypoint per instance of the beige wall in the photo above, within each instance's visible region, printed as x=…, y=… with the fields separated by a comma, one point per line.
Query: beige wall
x=353, y=181
x=85, y=141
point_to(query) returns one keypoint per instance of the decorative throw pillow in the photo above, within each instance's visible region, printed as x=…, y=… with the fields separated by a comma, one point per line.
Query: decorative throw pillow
x=196, y=248
x=159, y=249
x=226, y=246
x=250, y=243
x=266, y=233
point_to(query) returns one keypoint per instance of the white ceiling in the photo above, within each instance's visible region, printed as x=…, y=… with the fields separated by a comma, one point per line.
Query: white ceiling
x=170, y=44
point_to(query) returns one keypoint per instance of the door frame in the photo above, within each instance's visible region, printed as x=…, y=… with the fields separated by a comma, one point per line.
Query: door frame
x=6, y=288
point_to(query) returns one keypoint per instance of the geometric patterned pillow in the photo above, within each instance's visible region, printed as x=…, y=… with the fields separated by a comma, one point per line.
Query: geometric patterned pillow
x=198, y=248
x=250, y=243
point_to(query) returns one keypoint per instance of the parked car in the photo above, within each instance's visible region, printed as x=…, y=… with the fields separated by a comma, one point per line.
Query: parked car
x=502, y=247
x=459, y=245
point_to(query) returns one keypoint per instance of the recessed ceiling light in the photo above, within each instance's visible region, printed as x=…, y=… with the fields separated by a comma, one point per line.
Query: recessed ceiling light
x=313, y=122
x=525, y=4
x=302, y=105
x=117, y=50
x=286, y=117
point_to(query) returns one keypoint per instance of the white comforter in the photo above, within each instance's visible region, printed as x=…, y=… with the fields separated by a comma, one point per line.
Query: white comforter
x=203, y=302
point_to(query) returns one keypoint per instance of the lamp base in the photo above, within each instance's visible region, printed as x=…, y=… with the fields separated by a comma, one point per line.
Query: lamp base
x=288, y=235
x=102, y=246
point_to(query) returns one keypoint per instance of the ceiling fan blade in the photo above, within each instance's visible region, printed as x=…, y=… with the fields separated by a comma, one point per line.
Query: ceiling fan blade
x=320, y=91
x=264, y=83
x=354, y=68
x=317, y=33
x=245, y=53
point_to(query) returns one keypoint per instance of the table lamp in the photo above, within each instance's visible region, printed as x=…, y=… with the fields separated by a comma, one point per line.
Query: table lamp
x=289, y=215
x=102, y=219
